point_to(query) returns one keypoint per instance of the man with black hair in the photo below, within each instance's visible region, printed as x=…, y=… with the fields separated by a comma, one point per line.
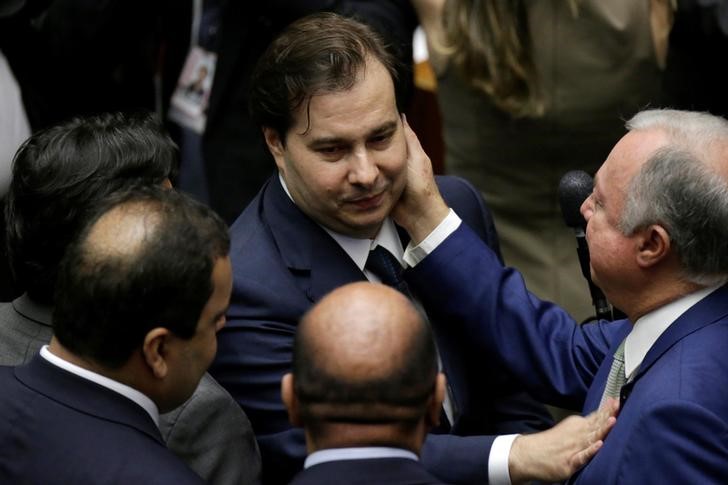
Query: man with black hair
x=59, y=177
x=140, y=296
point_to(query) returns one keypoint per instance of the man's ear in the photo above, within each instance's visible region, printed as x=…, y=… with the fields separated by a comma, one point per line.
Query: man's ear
x=289, y=400
x=156, y=351
x=653, y=245
x=275, y=145
x=432, y=416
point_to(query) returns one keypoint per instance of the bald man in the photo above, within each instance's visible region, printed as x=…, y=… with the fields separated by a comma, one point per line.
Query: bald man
x=366, y=389
x=140, y=296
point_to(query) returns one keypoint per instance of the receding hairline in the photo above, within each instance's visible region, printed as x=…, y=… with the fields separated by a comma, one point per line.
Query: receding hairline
x=123, y=231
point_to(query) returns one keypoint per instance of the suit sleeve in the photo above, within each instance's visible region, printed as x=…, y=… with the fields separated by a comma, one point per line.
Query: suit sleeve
x=213, y=436
x=682, y=442
x=488, y=309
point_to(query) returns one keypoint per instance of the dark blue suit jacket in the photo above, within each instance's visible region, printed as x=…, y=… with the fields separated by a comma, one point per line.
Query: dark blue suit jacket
x=382, y=471
x=283, y=263
x=673, y=423
x=58, y=428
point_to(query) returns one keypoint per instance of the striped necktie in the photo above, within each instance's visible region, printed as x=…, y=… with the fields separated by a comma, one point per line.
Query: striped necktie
x=616, y=378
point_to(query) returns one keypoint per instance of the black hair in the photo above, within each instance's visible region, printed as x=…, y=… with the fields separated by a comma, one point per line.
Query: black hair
x=60, y=174
x=108, y=298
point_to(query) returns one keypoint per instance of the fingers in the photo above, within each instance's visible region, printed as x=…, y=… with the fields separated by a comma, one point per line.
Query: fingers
x=417, y=159
x=582, y=458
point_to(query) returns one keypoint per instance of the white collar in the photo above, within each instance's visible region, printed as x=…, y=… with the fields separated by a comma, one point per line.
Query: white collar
x=358, y=249
x=126, y=391
x=648, y=328
x=359, y=453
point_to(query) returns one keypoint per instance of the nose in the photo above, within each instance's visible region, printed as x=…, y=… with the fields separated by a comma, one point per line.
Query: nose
x=587, y=208
x=363, y=169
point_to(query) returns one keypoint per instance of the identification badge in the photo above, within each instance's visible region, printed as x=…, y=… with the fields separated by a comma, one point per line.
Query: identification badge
x=188, y=106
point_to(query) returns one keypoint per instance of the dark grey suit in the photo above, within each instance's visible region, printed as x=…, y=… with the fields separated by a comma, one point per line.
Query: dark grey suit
x=209, y=432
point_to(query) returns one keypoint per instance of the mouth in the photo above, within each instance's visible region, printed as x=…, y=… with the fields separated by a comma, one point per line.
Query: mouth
x=368, y=202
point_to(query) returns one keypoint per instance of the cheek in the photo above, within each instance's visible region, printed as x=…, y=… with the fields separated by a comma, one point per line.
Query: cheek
x=393, y=164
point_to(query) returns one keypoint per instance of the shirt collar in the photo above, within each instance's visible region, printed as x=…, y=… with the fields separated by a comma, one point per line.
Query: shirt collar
x=360, y=453
x=648, y=328
x=126, y=391
x=358, y=249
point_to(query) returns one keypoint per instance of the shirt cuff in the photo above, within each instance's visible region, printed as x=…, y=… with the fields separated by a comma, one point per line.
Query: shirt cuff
x=498, y=473
x=415, y=254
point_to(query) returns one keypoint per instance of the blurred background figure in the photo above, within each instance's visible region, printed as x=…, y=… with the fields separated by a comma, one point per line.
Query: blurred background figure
x=696, y=74
x=531, y=90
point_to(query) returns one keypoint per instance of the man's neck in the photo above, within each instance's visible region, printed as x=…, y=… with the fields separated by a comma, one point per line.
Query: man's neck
x=352, y=435
x=657, y=296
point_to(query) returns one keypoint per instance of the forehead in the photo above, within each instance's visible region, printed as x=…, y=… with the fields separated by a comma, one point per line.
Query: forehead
x=369, y=103
x=627, y=158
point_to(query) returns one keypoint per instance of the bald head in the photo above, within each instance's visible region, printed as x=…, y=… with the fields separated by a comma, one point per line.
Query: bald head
x=362, y=332
x=144, y=260
x=363, y=354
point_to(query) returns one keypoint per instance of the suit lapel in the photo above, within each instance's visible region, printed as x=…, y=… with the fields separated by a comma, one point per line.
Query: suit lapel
x=318, y=261
x=712, y=308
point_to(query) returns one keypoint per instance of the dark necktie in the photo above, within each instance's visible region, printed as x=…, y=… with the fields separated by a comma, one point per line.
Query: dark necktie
x=387, y=268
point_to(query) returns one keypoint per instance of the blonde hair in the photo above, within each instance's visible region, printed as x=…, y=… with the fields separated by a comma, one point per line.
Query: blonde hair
x=488, y=42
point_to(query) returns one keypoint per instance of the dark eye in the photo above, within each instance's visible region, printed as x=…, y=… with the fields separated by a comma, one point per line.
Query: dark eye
x=331, y=152
x=380, y=139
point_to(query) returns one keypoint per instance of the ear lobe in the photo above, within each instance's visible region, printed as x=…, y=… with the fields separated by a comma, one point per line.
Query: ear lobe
x=275, y=145
x=432, y=416
x=290, y=401
x=156, y=351
x=653, y=246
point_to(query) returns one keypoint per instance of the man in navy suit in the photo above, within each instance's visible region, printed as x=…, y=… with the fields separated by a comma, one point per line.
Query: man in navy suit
x=324, y=96
x=59, y=177
x=140, y=296
x=365, y=387
x=657, y=232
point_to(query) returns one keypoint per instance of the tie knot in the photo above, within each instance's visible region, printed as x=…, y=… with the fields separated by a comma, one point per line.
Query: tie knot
x=387, y=268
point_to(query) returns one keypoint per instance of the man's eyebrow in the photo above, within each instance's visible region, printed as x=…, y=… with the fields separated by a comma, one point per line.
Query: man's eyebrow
x=328, y=140
x=385, y=128
x=338, y=140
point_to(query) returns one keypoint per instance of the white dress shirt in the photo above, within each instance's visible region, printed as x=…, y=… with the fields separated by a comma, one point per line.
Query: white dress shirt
x=648, y=328
x=126, y=391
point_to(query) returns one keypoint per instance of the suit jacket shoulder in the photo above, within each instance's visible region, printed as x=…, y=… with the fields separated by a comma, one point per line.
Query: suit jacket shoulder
x=25, y=326
x=75, y=431
x=212, y=434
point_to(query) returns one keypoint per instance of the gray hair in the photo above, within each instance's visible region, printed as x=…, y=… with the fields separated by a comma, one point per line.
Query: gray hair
x=678, y=189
